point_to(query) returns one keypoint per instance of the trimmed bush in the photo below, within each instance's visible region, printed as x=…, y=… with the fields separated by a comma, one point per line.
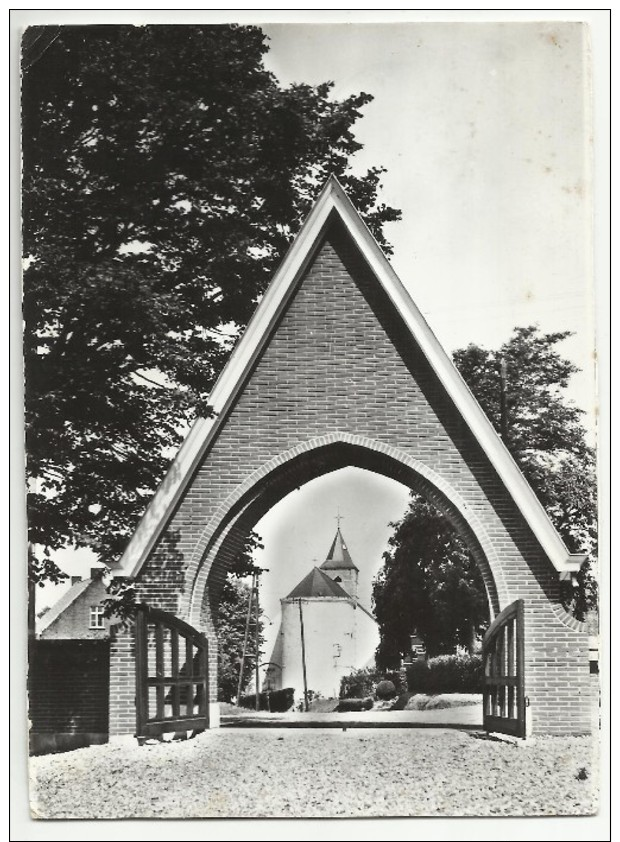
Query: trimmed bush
x=277, y=701
x=352, y=705
x=443, y=702
x=367, y=703
x=385, y=690
x=362, y=683
x=446, y=674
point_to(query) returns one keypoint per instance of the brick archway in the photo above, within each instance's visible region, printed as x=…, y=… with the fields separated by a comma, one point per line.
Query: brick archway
x=226, y=530
x=336, y=368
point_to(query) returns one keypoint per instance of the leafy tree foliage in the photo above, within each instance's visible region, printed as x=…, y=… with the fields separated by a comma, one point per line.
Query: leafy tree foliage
x=429, y=581
x=545, y=435
x=429, y=584
x=164, y=172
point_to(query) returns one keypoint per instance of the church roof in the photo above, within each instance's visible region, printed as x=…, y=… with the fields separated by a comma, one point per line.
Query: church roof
x=338, y=557
x=317, y=583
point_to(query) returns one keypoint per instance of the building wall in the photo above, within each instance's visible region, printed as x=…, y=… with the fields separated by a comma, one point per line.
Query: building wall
x=68, y=683
x=74, y=622
x=342, y=363
x=339, y=638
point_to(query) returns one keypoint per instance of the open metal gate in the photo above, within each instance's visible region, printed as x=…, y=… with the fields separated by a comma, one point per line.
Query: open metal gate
x=172, y=671
x=503, y=656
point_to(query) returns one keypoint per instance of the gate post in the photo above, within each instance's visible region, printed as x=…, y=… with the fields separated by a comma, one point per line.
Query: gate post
x=122, y=682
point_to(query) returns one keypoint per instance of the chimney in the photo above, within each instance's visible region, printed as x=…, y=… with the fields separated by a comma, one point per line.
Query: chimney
x=75, y=580
x=96, y=572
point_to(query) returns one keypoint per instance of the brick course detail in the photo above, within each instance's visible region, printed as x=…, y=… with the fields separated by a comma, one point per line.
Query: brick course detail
x=341, y=381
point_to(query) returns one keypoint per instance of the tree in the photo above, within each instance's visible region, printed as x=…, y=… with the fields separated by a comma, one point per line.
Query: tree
x=164, y=172
x=429, y=579
x=429, y=584
x=230, y=622
x=545, y=435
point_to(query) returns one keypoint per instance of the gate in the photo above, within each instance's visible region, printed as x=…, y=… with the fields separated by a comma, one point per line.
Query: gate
x=503, y=655
x=171, y=675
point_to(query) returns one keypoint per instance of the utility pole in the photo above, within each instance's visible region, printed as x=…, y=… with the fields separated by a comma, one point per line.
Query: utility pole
x=245, y=639
x=303, y=655
x=256, y=613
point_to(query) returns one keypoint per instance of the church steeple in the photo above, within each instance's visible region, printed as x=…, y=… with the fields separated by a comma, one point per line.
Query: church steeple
x=339, y=564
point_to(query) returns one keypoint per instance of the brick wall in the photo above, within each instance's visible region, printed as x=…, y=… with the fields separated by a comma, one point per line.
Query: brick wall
x=68, y=693
x=122, y=682
x=341, y=382
x=74, y=622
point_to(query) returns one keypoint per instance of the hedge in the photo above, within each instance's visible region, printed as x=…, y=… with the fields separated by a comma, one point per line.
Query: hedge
x=446, y=674
x=277, y=701
x=349, y=705
x=362, y=683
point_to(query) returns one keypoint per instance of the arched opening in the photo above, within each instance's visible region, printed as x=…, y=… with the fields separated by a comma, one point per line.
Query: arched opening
x=225, y=534
x=337, y=527
x=298, y=534
x=265, y=491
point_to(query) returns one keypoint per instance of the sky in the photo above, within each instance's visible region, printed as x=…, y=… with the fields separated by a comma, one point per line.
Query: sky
x=484, y=132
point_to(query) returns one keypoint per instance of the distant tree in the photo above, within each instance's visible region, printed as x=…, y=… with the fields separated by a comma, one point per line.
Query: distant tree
x=429, y=584
x=544, y=432
x=165, y=171
x=230, y=623
x=231, y=619
x=429, y=581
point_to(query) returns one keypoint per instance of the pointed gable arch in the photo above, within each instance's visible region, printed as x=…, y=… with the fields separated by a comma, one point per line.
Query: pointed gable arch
x=334, y=209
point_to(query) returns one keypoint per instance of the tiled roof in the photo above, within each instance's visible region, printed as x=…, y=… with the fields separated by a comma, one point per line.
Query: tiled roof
x=338, y=557
x=63, y=603
x=317, y=583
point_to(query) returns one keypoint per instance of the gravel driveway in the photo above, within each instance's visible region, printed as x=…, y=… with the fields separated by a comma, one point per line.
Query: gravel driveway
x=319, y=773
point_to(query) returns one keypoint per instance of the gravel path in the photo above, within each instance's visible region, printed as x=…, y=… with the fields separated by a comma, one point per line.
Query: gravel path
x=319, y=773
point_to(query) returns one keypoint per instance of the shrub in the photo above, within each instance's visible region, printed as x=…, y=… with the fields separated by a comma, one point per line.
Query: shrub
x=362, y=683
x=385, y=690
x=367, y=703
x=277, y=701
x=446, y=674
x=348, y=705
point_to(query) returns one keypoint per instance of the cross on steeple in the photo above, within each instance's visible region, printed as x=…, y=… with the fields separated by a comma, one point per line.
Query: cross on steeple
x=339, y=517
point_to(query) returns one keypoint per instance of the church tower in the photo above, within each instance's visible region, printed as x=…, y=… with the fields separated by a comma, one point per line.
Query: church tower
x=339, y=634
x=339, y=565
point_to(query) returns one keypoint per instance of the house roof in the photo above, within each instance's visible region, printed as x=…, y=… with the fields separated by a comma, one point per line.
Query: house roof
x=317, y=583
x=331, y=203
x=67, y=599
x=338, y=557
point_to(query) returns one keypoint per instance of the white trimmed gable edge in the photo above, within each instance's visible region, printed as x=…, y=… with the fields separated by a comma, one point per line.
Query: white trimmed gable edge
x=333, y=199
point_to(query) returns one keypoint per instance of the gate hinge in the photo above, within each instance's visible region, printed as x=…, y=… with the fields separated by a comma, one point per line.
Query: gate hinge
x=527, y=701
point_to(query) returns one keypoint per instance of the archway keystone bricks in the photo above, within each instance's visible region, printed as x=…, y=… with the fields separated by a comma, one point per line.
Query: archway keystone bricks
x=339, y=368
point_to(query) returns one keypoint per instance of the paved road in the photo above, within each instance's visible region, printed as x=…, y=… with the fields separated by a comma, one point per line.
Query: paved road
x=467, y=716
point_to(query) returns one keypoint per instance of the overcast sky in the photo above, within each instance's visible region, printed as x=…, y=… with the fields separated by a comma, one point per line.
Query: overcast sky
x=483, y=129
